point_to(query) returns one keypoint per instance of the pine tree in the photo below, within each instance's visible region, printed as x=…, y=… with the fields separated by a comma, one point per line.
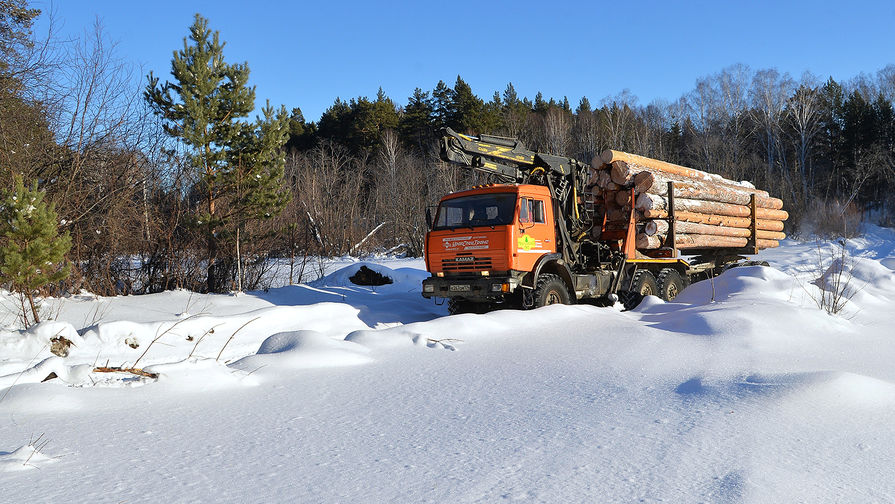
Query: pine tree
x=515, y=112
x=540, y=106
x=32, y=252
x=492, y=116
x=468, y=109
x=443, y=105
x=16, y=20
x=259, y=166
x=203, y=109
x=415, y=124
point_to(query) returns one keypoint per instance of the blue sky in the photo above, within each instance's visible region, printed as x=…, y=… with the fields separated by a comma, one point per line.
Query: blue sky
x=306, y=54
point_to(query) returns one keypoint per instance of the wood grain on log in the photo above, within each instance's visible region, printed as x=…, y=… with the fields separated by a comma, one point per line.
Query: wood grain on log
x=617, y=158
x=660, y=227
x=658, y=184
x=620, y=173
x=647, y=201
x=718, y=220
x=698, y=241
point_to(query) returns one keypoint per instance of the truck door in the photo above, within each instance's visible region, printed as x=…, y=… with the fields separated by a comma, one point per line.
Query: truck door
x=534, y=236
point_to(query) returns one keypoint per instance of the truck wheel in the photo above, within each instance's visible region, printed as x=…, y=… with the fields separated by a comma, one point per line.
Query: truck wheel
x=670, y=284
x=551, y=290
x=642, y=284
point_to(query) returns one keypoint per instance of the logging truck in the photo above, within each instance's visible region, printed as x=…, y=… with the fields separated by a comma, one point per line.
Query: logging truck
x=551, y=229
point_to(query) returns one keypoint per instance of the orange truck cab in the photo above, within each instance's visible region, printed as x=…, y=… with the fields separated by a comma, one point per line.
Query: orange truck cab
x=489, y=237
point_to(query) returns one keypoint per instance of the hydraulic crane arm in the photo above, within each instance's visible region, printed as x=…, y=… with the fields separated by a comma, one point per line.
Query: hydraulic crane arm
x=505, y=158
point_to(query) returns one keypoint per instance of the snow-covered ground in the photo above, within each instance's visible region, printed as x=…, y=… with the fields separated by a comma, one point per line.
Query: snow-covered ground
x=743, y=390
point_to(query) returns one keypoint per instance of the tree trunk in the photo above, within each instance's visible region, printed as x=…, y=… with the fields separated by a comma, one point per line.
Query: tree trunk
x=212, y=246
x=238, y=262
x=30, y=297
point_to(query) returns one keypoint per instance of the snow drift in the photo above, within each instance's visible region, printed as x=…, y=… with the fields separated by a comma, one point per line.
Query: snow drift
x=741, y=390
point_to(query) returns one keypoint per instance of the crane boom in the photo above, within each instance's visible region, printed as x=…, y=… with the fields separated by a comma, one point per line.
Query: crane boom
x=506, y=158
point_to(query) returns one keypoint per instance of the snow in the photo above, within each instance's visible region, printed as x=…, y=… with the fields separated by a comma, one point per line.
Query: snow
x=741, y=390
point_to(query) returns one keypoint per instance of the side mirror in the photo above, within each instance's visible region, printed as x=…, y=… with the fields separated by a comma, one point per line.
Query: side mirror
x=429, y=218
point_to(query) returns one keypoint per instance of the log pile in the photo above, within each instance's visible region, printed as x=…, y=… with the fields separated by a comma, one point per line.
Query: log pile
x=709, y=211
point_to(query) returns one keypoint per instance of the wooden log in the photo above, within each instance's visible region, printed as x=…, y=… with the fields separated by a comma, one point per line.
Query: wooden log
x=621, y=174
x=613, y=156
x=644, y=181
x=621, y=214
x=623, y=198
x=660, y=227
x=718, y=220
x=658, y=184
x=699, y=241
x=647, y=201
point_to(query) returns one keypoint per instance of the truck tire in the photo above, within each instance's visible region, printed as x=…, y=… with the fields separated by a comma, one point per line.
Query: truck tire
x=671, y=283
x=643, y=283
x=551, y=290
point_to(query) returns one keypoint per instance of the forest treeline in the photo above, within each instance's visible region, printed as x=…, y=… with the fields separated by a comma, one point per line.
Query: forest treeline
x=108, y=150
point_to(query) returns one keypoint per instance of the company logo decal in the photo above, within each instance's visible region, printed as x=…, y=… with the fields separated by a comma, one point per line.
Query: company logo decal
x=453, y=243
x=526, y=242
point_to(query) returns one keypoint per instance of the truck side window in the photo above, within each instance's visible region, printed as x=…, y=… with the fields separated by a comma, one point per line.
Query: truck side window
x=524, y=210
x=537, y=211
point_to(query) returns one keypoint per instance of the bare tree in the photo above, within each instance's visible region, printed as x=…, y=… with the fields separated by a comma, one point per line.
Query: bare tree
x=886, y=82
x=705, y=116
x=733, y=86
x=769, y=93
x=585, y=133
x=557, y=130
x=617, y=117
x=805, y=114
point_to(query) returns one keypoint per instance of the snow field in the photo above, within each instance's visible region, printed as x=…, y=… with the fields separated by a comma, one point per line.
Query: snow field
x=742, y=390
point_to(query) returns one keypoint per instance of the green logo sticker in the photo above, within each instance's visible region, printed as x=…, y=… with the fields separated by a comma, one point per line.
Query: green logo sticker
x=525, y=242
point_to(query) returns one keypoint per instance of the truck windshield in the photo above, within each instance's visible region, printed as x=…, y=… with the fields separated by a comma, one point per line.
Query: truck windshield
x=479, y=210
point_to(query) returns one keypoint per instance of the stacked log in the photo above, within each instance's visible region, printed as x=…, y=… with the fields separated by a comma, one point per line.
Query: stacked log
x=709, y=211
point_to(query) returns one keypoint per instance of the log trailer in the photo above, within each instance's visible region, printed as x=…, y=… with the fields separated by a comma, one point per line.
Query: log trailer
x=533, y=238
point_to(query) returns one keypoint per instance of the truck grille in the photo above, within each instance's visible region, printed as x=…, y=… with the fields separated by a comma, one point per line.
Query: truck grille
x=466, y=263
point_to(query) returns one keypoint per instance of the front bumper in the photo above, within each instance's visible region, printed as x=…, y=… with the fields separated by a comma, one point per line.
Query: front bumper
x=471, y=288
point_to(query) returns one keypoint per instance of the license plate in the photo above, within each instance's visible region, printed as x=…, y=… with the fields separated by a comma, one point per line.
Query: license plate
x=459, y=288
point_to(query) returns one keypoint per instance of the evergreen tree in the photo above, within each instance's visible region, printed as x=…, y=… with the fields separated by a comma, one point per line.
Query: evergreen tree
x=415, y=124
x=540, y=106
x=515, y=112
x=385, y=114
x=467, y=109
x=32, y=251
x=258, y=168
x=203, y=109
x=443, y=105
x=301, y=133
x=16, y=20
x=335, y=121
x=492, y=115
x=584, y=107
x=510, y=98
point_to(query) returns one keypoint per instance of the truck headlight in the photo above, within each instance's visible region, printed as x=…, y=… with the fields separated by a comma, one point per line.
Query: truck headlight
x=428, y=288
x=498, y=287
